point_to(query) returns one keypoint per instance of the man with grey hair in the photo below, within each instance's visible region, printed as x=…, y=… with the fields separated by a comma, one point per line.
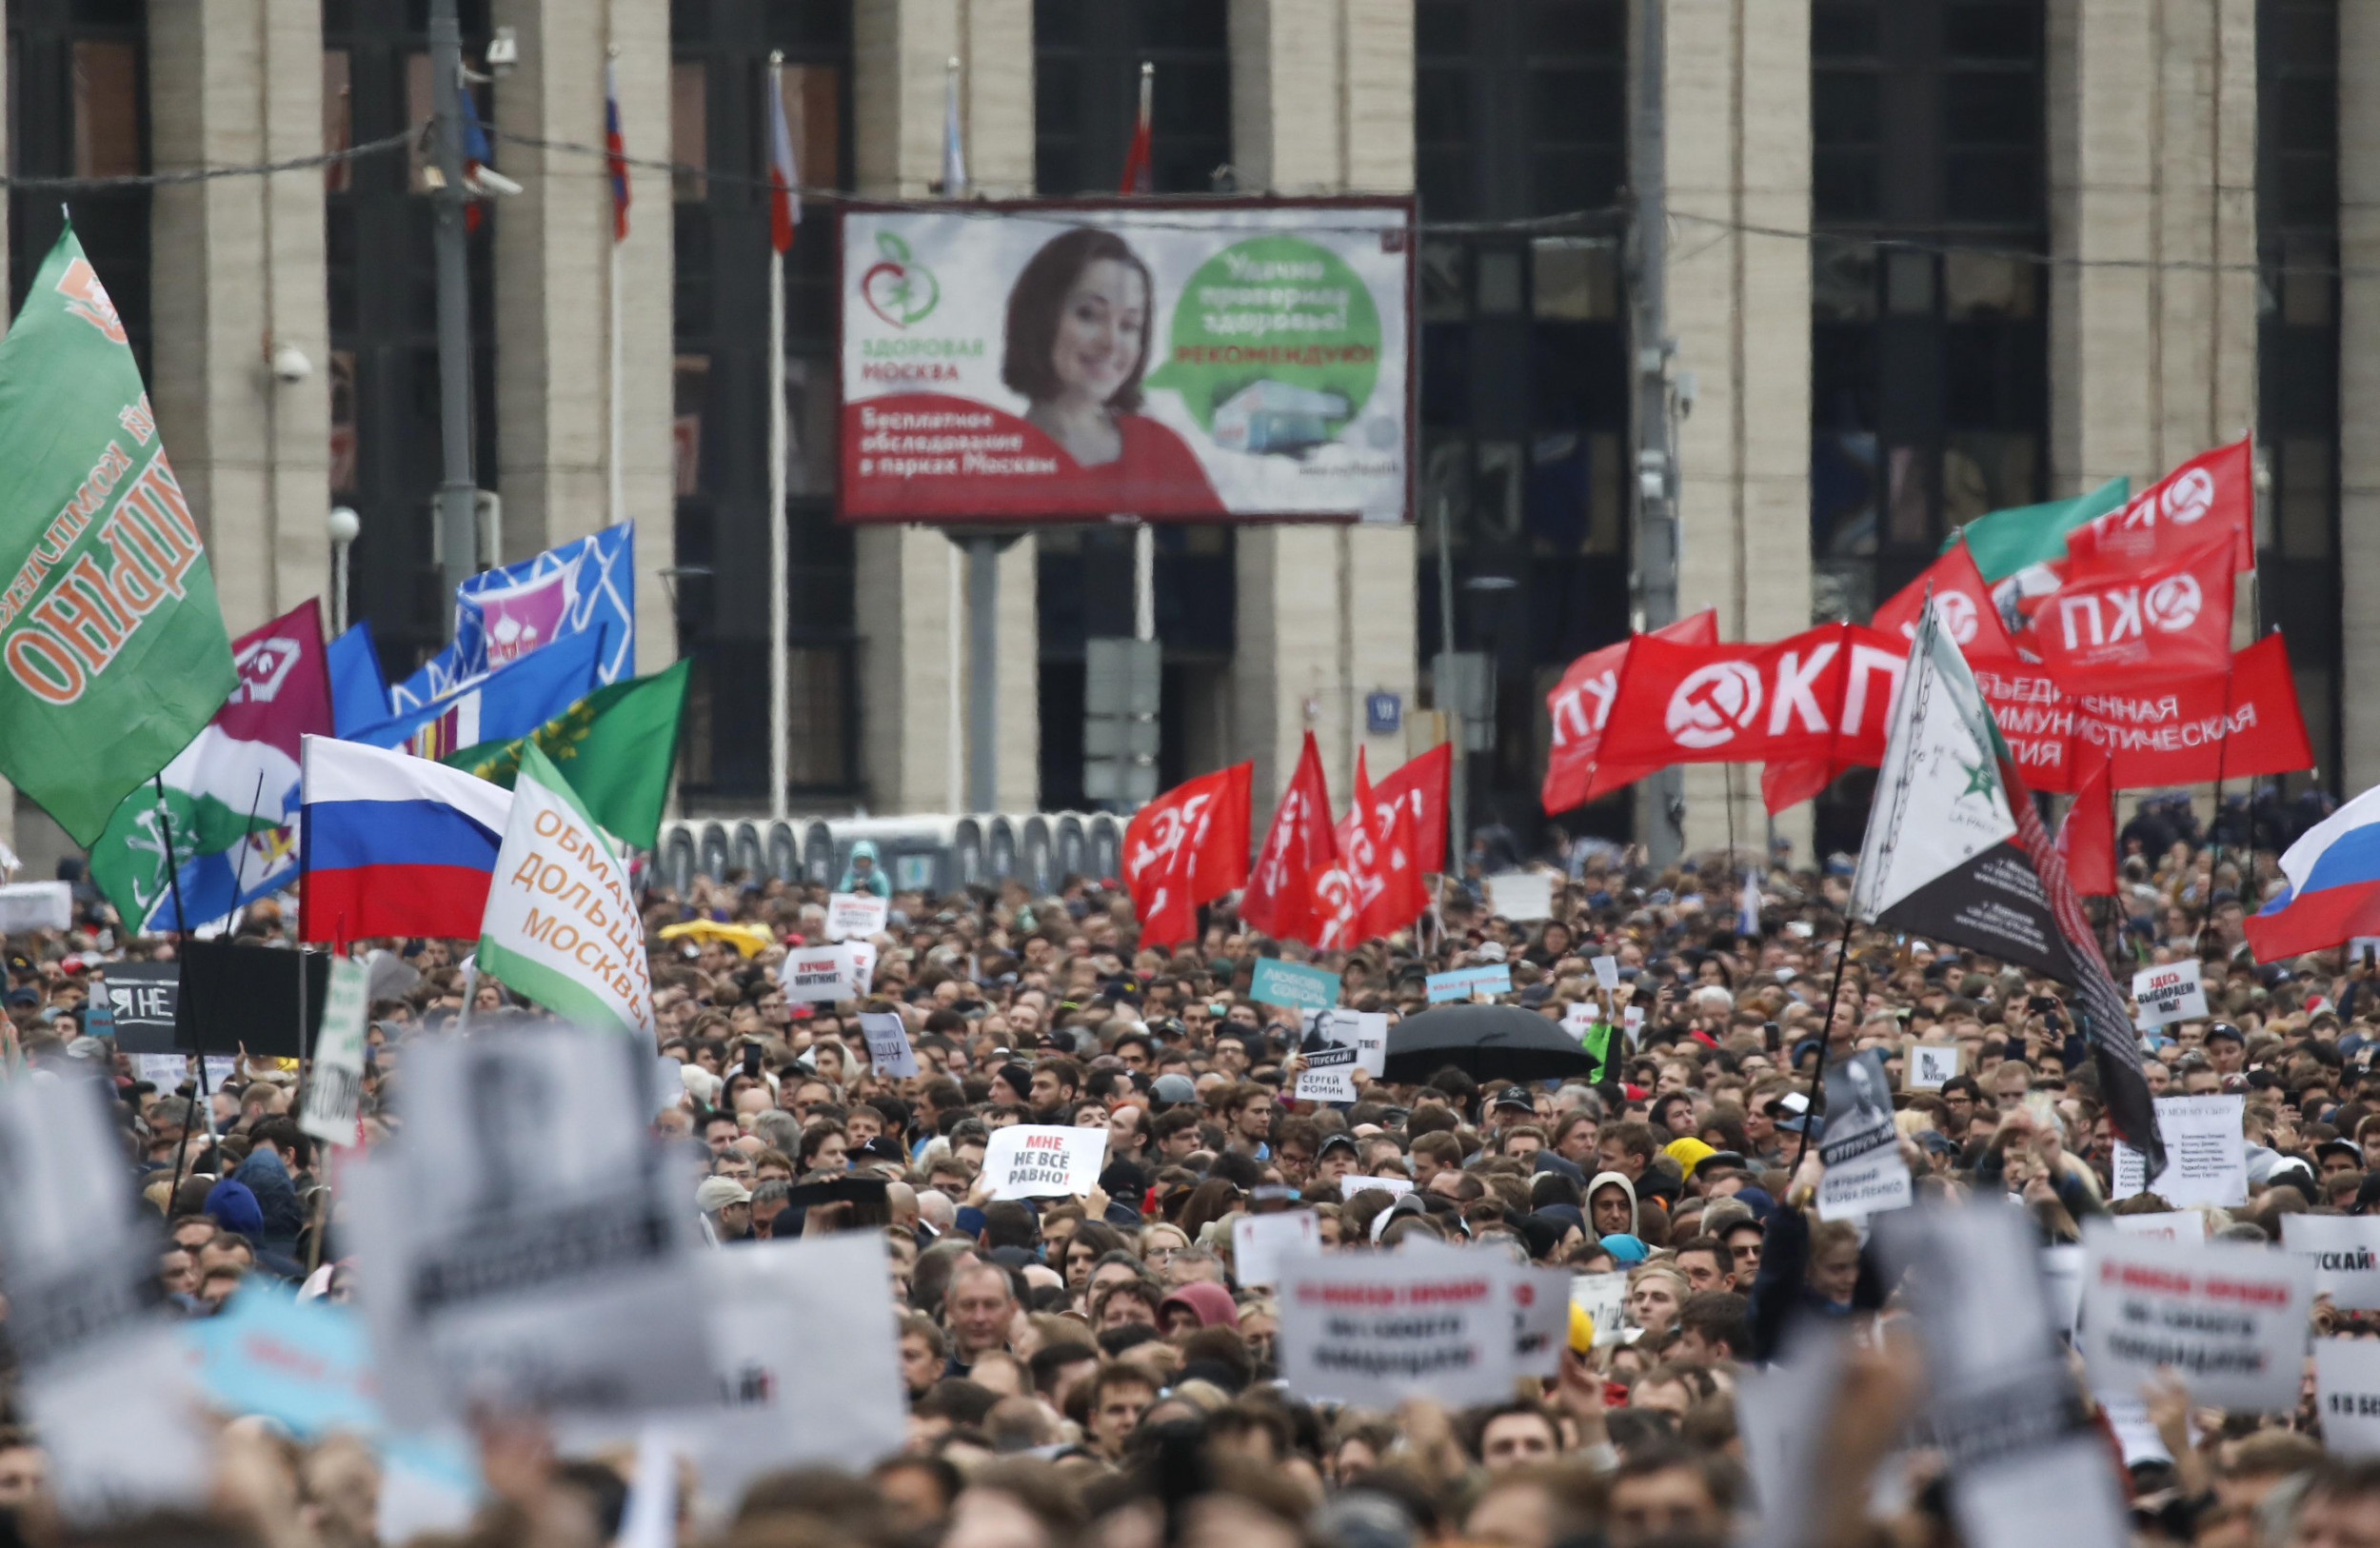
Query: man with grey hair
x=935, y=1211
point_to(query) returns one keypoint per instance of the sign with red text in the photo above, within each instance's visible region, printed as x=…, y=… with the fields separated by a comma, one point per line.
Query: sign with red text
x=2345, y=1254
x=2228, y=1318
x=813, y=975
x=1375, y=1328
x=1210, y=361
x=1038, y=1161
x=854, y=916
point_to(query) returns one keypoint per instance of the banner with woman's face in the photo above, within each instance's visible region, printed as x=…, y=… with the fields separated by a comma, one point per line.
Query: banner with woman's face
x=1017, y=363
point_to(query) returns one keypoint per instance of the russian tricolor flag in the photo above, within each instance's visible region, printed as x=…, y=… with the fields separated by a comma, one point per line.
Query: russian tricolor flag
x=393, y=844
x=2334, y=886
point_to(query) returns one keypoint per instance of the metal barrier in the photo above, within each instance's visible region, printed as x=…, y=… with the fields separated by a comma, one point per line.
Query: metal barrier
x=931, y=852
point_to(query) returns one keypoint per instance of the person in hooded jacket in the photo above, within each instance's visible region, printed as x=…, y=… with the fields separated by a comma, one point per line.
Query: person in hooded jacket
x=1612, y=1205
x=862, y=873
x=266, y=1174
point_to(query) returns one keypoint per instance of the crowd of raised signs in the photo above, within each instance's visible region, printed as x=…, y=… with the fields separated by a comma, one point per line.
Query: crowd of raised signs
x=1104, y=1364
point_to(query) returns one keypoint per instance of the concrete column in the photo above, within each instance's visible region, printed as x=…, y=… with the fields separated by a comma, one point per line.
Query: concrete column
x=2359, y=386
x=236, y=276
x=1322, y=103
x=554, y=274
x=900, y=53
x=2152, y=159
x=1737, y=124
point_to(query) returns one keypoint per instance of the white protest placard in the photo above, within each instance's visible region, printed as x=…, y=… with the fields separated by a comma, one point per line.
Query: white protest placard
x=2347, y=1394
x=1375, y=1328
x=36, y=906
x=2206, y=1155
x=2228, y=1318
x=334, y=1085
x=2345, y=1250
x=1865, y=1173
x=1397, y=1187
x=561, y=924
x=1606, y=971
x=862, y=966
x=854, y=916
x=165, y=1071
x=2170, y=993
x=1577, y=1017
x=1522, y=896
x=1538, y=1296
x=1773, y=1407
x=1259, y=1243
x=1041, y=1161
x=526, y=1242
x=1603, y=1298
x=815, y=975
x=1337, y=1042
x=102, y=1378
x=889, y=1046
x=1928, y=1066
x=1631, y=1023
x=2061, y=1275
x=2163, y=1225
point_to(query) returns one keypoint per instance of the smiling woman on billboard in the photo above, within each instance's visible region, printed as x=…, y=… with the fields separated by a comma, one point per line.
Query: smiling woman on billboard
x=1078, y=344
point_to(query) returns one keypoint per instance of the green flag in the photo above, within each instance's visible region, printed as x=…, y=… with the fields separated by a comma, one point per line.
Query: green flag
x=617, y=745
x=560, y=925
x=2004, y=542
x=112, y=651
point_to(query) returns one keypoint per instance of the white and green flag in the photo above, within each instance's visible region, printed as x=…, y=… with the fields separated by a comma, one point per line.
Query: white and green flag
x=562, y=924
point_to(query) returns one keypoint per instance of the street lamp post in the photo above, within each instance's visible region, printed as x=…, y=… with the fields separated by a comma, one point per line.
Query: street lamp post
x=344, y=526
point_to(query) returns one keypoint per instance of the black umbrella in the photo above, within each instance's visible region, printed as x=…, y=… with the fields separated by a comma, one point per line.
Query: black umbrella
x=1488, y=1042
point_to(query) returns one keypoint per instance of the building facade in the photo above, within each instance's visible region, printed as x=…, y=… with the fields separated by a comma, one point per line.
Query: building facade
x=1924, y=259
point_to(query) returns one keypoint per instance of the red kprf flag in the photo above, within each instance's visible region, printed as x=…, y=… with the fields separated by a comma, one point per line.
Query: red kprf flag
x=1279, y=899
x=1398, y=896
x=1420, y=786
x=2210, y=498
x=2118, y=631
x=1580, y=705
x=1188, y=847
x=1968, y=611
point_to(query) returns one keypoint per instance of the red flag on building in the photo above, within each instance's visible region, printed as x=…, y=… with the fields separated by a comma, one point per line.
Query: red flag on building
x=1188, y=847
x=615, y=154
x=784, y=179
x=1280, y=895
x=1137, y=178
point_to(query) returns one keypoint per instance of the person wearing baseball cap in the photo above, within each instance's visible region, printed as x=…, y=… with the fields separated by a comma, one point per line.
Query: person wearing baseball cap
x=726, y=1207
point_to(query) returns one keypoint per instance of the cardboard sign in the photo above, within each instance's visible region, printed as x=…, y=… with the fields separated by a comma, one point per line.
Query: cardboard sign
x=2347, y=1394
x=854, y=916
x=1293, y=985
x=2172, y=993
x=1930, y=1066
x=1038, y=1161
x=334, y=1087
x=1396, y=1187
x=1375, y=1328
x=144, y=999
x=1865, y=1173
x=36, y=906
x=101, y=1378
x=889, y=1046
x=247, y=997
x=820, y=975
x=2345, y=1251
x=1463, y=982
x=1259, y=1243
x=2230, y=1319
x=1606, y=971
x=1520, y=896
x=1604, y=1298
x=2206, y=1155
x=526, y=1242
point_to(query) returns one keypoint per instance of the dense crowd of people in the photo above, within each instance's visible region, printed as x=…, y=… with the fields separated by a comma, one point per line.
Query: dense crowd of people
x=1092, y=1371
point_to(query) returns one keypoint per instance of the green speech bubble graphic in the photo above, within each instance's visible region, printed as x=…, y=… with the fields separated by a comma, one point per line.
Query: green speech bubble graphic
x=1275, y=346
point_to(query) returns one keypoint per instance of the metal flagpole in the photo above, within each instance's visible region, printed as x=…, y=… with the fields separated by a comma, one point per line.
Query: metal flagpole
x=458, y=491
x=780, y=705
x=1143, y=580
x=619, y=373
x=955, y=767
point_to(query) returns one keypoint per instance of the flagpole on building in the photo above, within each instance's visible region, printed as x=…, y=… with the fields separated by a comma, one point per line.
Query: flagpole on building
x=458, y=489
x=780, y=705
x=954, y=731
x=619, y=373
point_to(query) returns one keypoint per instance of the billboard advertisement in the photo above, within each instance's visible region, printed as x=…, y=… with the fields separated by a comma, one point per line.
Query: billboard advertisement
x=1011, y=363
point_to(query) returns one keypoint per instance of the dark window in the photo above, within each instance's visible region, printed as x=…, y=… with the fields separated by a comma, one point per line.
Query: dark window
x=2297, y=349
x=719, y=106
x=78, y=95
x=1087, y=92
x=384, y=324
x=1524, y=387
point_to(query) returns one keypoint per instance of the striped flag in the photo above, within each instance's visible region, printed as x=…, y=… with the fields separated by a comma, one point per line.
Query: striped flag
x=954, y=148
x=1137, y=178
x=615, y=153
x=784, y=181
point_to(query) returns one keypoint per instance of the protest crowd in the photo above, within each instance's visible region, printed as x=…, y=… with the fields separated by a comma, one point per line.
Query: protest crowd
x=1100, y=1369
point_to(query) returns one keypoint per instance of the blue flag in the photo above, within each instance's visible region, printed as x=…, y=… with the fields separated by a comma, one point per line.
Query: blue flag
x=496, y=707
x=502, y=616
x=359, y=691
